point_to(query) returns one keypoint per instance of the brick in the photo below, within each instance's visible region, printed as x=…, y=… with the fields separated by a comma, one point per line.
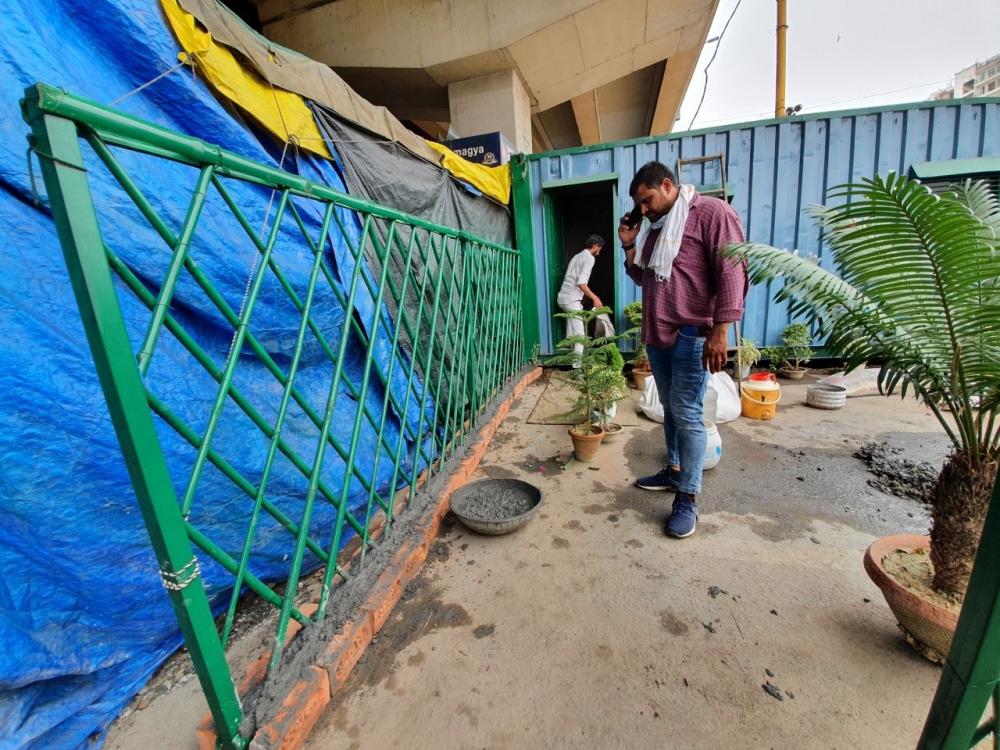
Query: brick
x=254, y=676
x=345, y=650
x=297, y=714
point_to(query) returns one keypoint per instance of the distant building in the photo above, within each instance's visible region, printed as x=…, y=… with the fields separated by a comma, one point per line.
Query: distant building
x=979, y=79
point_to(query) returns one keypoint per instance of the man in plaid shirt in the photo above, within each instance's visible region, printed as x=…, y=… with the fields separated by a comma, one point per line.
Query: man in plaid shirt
x=690, y=296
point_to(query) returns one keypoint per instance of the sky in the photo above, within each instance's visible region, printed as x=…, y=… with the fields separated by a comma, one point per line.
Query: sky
x=841, y=54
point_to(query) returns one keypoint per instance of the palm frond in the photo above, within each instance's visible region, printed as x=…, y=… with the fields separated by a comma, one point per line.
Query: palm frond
x=918, y=285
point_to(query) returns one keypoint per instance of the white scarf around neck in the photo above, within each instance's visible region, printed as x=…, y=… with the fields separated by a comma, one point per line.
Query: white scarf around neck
x=668, y=244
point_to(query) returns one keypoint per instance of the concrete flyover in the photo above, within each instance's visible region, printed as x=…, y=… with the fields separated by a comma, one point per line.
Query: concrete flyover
x=546, y=74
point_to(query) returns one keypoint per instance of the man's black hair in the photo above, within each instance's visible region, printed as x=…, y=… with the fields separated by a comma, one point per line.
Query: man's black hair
x=595, y=239
x=651, y=174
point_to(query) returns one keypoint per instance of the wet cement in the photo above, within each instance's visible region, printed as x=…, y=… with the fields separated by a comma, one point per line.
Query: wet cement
x=490, y=502
x=897, y=475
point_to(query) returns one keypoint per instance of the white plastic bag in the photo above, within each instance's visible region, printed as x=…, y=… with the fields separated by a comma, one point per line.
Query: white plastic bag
x=861, y=382
x=720, y=395
x=649, y=402
x=727, y=398
x=603, y=326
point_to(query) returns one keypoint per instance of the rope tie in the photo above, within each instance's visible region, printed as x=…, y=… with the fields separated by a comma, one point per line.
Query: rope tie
x=36, y=197
x=180, y=579
x=184, y=59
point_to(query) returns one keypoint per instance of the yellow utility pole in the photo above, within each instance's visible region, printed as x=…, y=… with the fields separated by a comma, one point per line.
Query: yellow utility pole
x=779, y=83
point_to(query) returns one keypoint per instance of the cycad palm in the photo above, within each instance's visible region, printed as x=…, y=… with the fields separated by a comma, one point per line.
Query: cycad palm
x=919, y=291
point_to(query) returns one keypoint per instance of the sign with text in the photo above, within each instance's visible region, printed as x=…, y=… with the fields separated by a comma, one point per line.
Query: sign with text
x=491, y=149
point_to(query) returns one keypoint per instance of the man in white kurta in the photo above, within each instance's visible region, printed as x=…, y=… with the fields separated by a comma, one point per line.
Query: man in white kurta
x=575, y=287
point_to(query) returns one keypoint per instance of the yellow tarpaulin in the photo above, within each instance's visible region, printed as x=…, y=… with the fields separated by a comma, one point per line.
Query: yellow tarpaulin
x=494, y=181
x=283, y=113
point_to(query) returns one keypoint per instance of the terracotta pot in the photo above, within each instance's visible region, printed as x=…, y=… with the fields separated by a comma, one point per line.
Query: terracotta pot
x=929, y=628
x=792, y=374
x=639, y=375
x=611, y=431
x=585, y=446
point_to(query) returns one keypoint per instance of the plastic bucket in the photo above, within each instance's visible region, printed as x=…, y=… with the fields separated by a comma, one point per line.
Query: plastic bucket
x=762, y=377
x=759, y=400
x=713, y=446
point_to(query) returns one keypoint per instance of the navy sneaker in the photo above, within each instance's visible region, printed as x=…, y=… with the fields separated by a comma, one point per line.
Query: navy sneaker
x=665, y=479
x=684, y=517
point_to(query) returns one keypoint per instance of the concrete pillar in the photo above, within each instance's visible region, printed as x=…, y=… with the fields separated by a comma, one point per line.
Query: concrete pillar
x=497, y=101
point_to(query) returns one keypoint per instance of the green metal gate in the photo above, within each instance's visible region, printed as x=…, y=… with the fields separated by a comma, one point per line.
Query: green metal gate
x=459, y=346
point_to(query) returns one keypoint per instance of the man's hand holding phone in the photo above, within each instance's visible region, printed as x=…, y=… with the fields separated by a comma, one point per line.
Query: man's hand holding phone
x=628, y=230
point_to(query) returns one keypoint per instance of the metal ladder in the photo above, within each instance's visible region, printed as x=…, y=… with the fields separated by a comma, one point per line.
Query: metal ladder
x=717, y=190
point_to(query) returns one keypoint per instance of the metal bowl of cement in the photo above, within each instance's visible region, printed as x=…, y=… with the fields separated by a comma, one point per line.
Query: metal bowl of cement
x=496, y=506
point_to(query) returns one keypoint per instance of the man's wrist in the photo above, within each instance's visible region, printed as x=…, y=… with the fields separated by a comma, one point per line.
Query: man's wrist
x=720, y=330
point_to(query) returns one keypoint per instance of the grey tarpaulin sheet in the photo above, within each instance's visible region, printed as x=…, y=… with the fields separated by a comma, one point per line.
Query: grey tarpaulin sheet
x=380, y=171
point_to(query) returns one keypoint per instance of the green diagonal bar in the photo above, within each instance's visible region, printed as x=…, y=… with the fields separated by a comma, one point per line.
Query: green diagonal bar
x=279, y=422
x=385, y=400
x=331, y=405
x=356, y=429
x=145, y=355
x=401, y=443
x=233, y=358
x=144, y=295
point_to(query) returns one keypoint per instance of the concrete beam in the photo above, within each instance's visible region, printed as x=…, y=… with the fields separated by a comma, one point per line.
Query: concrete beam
x=587, y=111
x=540, y=134
x=678, y=72
x=676, y=77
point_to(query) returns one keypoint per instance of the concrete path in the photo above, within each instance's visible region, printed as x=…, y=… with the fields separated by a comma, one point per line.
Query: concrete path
x=591, y=629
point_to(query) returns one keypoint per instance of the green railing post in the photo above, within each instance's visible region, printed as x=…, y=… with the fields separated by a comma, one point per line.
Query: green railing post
x=525, y=243
x=972, y=669
x=56, y=140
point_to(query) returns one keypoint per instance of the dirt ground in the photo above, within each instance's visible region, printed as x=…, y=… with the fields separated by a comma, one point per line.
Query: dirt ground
x=589, y=628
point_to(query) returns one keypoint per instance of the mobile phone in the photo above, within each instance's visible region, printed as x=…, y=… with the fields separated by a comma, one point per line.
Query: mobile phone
x=634, y=217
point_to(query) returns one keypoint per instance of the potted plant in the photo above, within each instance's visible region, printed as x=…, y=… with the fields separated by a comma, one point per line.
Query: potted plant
x=611, y=387
x=918, y=292
x=640, y=364
x=590, y=377
x=795, y=351
x=747, y=357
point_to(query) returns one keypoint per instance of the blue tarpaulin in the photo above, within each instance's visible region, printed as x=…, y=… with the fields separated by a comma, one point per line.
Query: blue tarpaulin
x=84, y=620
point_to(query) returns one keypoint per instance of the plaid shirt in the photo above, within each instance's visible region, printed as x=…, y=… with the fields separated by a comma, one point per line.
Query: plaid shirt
x=704, y=289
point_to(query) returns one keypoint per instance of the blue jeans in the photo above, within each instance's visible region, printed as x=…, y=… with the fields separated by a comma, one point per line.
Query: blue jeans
x=681, y=379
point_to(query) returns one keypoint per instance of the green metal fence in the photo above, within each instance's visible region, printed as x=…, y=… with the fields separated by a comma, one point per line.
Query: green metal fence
x=448, y=305
x=966, y=708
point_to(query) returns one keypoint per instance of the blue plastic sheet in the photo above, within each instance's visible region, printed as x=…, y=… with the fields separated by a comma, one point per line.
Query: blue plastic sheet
x=84, y=621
